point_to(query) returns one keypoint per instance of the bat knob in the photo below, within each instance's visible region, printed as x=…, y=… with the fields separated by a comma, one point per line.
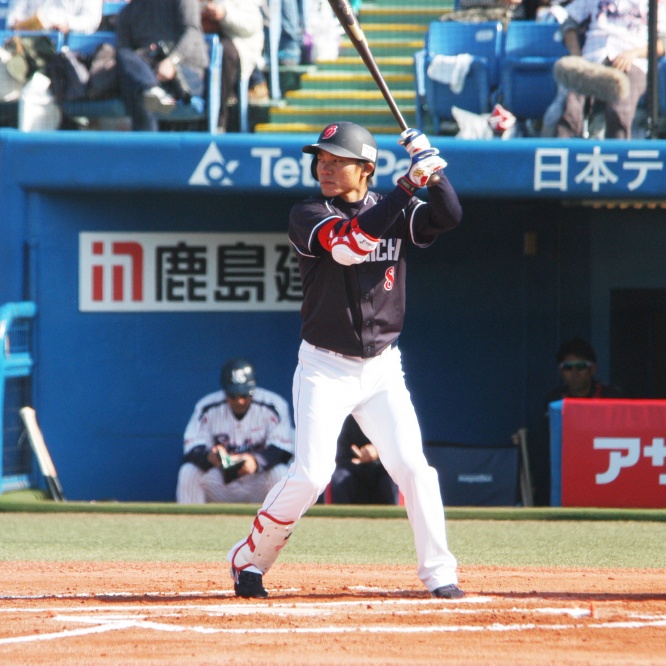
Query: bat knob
x=433, y=180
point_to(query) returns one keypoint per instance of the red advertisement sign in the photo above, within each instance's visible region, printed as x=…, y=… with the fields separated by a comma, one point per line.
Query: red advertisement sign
x=613, y=453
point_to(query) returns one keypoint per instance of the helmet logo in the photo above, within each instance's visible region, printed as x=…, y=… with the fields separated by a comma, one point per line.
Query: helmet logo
x=329, y=132
x=239, y=376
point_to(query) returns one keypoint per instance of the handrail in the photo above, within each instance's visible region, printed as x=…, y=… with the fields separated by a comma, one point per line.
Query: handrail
x=11, y=311
x=18, y=364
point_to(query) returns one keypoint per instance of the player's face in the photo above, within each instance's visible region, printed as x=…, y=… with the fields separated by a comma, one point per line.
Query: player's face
x=577, y=374
x=239, y=403
x=342, y=177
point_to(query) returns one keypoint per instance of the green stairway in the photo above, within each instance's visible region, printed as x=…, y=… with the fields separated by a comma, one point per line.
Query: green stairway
x=343, y=89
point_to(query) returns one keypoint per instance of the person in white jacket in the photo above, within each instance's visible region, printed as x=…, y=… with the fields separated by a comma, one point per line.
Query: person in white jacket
x=240, y=25
x=63, y=15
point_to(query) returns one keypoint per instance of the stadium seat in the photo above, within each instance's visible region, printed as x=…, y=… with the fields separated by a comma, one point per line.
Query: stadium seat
x=4, y=8
x=109, y=14
x=114, y=108
x=109, y=8
x=483, y=43
x=527, y=86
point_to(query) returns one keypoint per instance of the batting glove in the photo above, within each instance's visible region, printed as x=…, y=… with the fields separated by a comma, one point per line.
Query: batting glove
x=414, y=141
x=422, y=166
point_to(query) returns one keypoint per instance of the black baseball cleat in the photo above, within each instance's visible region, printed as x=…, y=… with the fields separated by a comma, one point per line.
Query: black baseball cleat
x=448, y=592
x=250, y=586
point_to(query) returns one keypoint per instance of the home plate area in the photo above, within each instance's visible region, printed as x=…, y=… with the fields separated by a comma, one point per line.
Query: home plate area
x=390, y=616
x=320, y=623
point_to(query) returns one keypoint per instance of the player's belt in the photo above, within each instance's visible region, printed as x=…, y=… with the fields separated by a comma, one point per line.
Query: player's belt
x=393, y=345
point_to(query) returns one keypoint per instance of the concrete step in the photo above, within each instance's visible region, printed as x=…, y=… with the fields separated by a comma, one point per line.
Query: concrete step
x=407, y=5
x=385, y=47
x=344, y=89
x=403, y=14
x=346, y=97
x=390, y=128
x=319, y=117
x=385, y=64
x=354, y=80
x=395, y=29
x=299, y=113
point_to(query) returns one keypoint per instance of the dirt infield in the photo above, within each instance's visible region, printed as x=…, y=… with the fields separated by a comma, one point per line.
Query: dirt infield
x=81, y=613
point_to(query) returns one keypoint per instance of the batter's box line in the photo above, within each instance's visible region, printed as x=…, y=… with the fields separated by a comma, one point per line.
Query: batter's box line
x=116, y=625
x=213, y=594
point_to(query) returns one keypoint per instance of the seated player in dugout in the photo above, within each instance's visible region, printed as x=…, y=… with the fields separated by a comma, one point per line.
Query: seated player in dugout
x=359, y=476
x=577, y=364
x=237, y=443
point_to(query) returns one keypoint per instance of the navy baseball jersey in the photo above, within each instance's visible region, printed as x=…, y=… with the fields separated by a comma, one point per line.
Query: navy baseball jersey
x=359, y=310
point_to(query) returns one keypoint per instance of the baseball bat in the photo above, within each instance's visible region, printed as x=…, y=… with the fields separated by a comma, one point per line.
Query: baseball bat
x=342, y=9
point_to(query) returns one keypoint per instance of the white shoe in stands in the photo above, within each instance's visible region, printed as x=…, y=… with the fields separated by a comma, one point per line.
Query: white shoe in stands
x=158, y=100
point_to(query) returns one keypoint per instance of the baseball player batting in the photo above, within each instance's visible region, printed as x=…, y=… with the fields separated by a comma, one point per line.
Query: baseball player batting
x=352, y=245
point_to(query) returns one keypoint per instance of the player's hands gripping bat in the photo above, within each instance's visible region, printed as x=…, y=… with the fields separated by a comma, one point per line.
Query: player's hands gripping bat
x=342, y=9
x=414, y=141
x=425, y=163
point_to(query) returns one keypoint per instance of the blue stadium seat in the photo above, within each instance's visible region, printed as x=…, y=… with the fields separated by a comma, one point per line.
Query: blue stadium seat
x=482, y=41
x=4, y=8
x=527, y=86
x=114, y=108
x=110, y=8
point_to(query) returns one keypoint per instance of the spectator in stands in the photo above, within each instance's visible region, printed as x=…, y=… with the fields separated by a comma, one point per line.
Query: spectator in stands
x=577, y=365
x=359, y=476
x=291, y=35
x=63, y=15
x=162, y=57
x=507, y=10
x=616, y=36
x=321, y=33
x=475, y=11
x=240, y=25
x=237, y=442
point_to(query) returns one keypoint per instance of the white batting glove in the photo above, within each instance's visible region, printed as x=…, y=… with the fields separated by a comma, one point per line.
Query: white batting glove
x=414, y=141
x=422, y=166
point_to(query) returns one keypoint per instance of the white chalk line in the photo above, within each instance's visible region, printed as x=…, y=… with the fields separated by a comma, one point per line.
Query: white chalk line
x=213, y=594
x=117, y=618
x=156, y=626
x=65, y=634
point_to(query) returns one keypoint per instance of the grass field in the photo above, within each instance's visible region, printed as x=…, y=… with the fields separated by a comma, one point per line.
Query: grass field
x=42, y=530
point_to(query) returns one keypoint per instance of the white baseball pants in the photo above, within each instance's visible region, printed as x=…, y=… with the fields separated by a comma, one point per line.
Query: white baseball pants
x=198, y=487
x=326, y=388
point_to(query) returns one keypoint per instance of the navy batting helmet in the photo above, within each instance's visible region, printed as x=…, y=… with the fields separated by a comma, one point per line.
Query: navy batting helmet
x=238, y=377
x=344, y=139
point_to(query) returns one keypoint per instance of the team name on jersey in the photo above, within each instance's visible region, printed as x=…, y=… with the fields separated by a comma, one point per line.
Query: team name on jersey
x=388, y=249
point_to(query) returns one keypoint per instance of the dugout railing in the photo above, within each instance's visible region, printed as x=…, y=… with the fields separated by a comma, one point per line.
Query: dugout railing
x=16, y=364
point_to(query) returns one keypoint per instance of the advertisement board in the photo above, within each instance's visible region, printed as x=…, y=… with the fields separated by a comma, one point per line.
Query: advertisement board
x=613, y=453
